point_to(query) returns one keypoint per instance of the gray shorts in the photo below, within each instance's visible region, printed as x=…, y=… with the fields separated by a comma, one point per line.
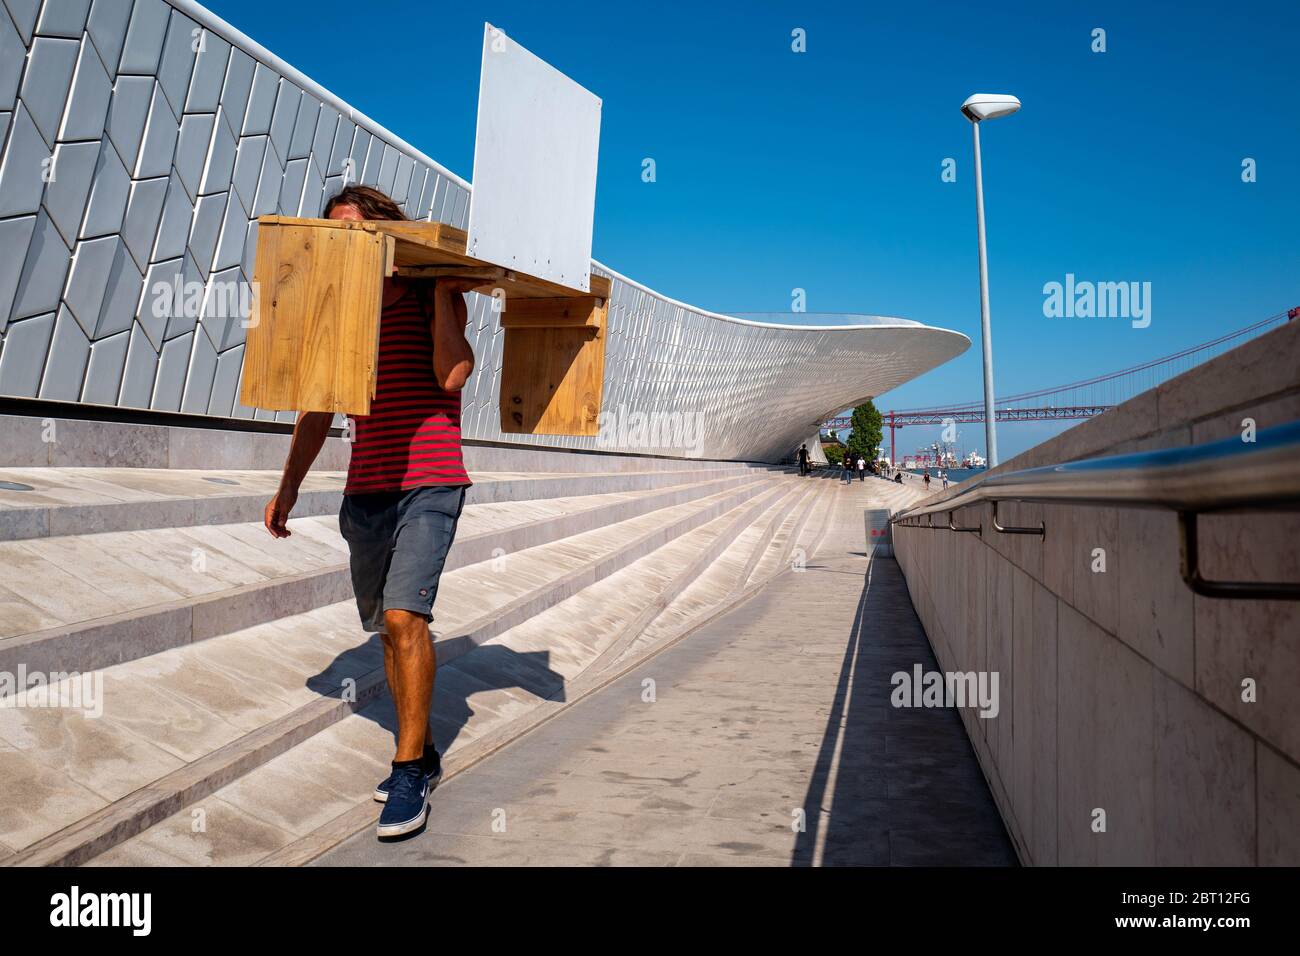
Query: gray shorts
x=399, y=542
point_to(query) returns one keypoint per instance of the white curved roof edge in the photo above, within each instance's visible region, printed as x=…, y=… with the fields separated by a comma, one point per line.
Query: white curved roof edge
x=205, y=17
x=898, y=324
x=875, y=320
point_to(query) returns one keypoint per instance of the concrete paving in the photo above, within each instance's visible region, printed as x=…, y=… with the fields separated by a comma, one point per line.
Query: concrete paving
x=764, y=738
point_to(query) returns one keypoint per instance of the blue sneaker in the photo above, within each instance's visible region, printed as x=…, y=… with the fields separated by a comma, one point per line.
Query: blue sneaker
x=407, y=806
x=432, y=770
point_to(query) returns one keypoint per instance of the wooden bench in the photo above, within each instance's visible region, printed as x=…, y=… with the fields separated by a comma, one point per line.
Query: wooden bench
x=313, y=342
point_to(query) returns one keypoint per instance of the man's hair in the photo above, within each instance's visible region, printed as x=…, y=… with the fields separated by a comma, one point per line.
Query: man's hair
x=371, y=203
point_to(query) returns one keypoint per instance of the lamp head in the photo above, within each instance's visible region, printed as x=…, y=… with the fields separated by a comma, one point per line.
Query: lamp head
x=983, y=106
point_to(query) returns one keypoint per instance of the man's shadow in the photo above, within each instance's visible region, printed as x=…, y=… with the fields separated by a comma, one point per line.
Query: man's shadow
x=483, y=668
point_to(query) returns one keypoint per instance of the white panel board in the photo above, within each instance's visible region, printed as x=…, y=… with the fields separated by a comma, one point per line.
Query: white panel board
x=535, y=153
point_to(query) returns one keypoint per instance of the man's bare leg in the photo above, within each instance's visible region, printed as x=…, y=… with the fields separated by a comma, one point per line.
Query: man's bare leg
x=392, y=684
x=410, y=667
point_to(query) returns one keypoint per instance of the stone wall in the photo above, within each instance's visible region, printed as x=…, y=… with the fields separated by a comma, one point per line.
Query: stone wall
x=1122, y=690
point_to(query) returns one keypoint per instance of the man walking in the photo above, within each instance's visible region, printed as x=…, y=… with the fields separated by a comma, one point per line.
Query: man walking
x=405, y=490
x=803, y=459
x=862, y=469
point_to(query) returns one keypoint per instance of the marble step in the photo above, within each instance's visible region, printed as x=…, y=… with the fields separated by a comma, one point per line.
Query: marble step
x=179, y=724
x=90, y=601
x=78, y=501
x=483, y=699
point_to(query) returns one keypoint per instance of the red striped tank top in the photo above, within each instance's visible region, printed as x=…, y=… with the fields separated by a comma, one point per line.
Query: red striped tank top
x=411, y=438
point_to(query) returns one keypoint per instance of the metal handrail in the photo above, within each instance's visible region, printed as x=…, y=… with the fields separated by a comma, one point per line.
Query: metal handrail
x=1041, y=530
x=1228, y=475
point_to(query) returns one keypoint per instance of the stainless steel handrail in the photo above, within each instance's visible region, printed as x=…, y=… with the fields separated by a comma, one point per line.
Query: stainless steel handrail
x=1041, y=530
x=1228, y=475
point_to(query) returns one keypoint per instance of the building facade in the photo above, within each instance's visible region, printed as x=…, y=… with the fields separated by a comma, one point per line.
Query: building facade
x=142, y=139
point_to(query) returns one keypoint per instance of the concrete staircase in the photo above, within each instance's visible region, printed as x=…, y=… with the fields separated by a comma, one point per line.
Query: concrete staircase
x=244, y=712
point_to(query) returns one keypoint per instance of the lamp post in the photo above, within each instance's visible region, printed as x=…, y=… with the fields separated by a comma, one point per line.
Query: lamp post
x=977, y=108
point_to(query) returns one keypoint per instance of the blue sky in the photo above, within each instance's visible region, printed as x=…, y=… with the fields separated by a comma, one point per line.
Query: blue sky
x=822, y=170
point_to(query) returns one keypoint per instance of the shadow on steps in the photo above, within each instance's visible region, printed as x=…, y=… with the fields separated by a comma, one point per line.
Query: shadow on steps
x=489, y=667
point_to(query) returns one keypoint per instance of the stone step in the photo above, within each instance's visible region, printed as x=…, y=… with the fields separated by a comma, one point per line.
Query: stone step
x=797, y=538
x=181, y=723
x=78, y=501
x=484, y=698
x=758, y=555
x=691, y=573
x=91, y=601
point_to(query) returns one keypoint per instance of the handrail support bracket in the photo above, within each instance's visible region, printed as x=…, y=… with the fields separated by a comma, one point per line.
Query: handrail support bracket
x=1041, y=530
x=1189, y=567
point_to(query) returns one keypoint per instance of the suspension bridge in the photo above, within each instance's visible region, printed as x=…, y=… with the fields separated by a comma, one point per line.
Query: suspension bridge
x=1076, y=400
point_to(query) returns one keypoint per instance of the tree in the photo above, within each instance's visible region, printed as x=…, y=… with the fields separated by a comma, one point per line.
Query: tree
x=834, y=454
x=868, y=431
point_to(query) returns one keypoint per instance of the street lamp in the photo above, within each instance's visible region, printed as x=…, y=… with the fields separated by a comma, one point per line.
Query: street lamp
x=977, y=108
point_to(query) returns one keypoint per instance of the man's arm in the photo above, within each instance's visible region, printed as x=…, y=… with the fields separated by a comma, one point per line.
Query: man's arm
x=308, y=438
x=453, y=358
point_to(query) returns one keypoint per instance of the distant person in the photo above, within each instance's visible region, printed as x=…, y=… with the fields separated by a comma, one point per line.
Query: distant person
x=862, y=468
x=926, y=479
x=803, y=459
x=898, y=477
x=944, y=475
x=847, y=473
